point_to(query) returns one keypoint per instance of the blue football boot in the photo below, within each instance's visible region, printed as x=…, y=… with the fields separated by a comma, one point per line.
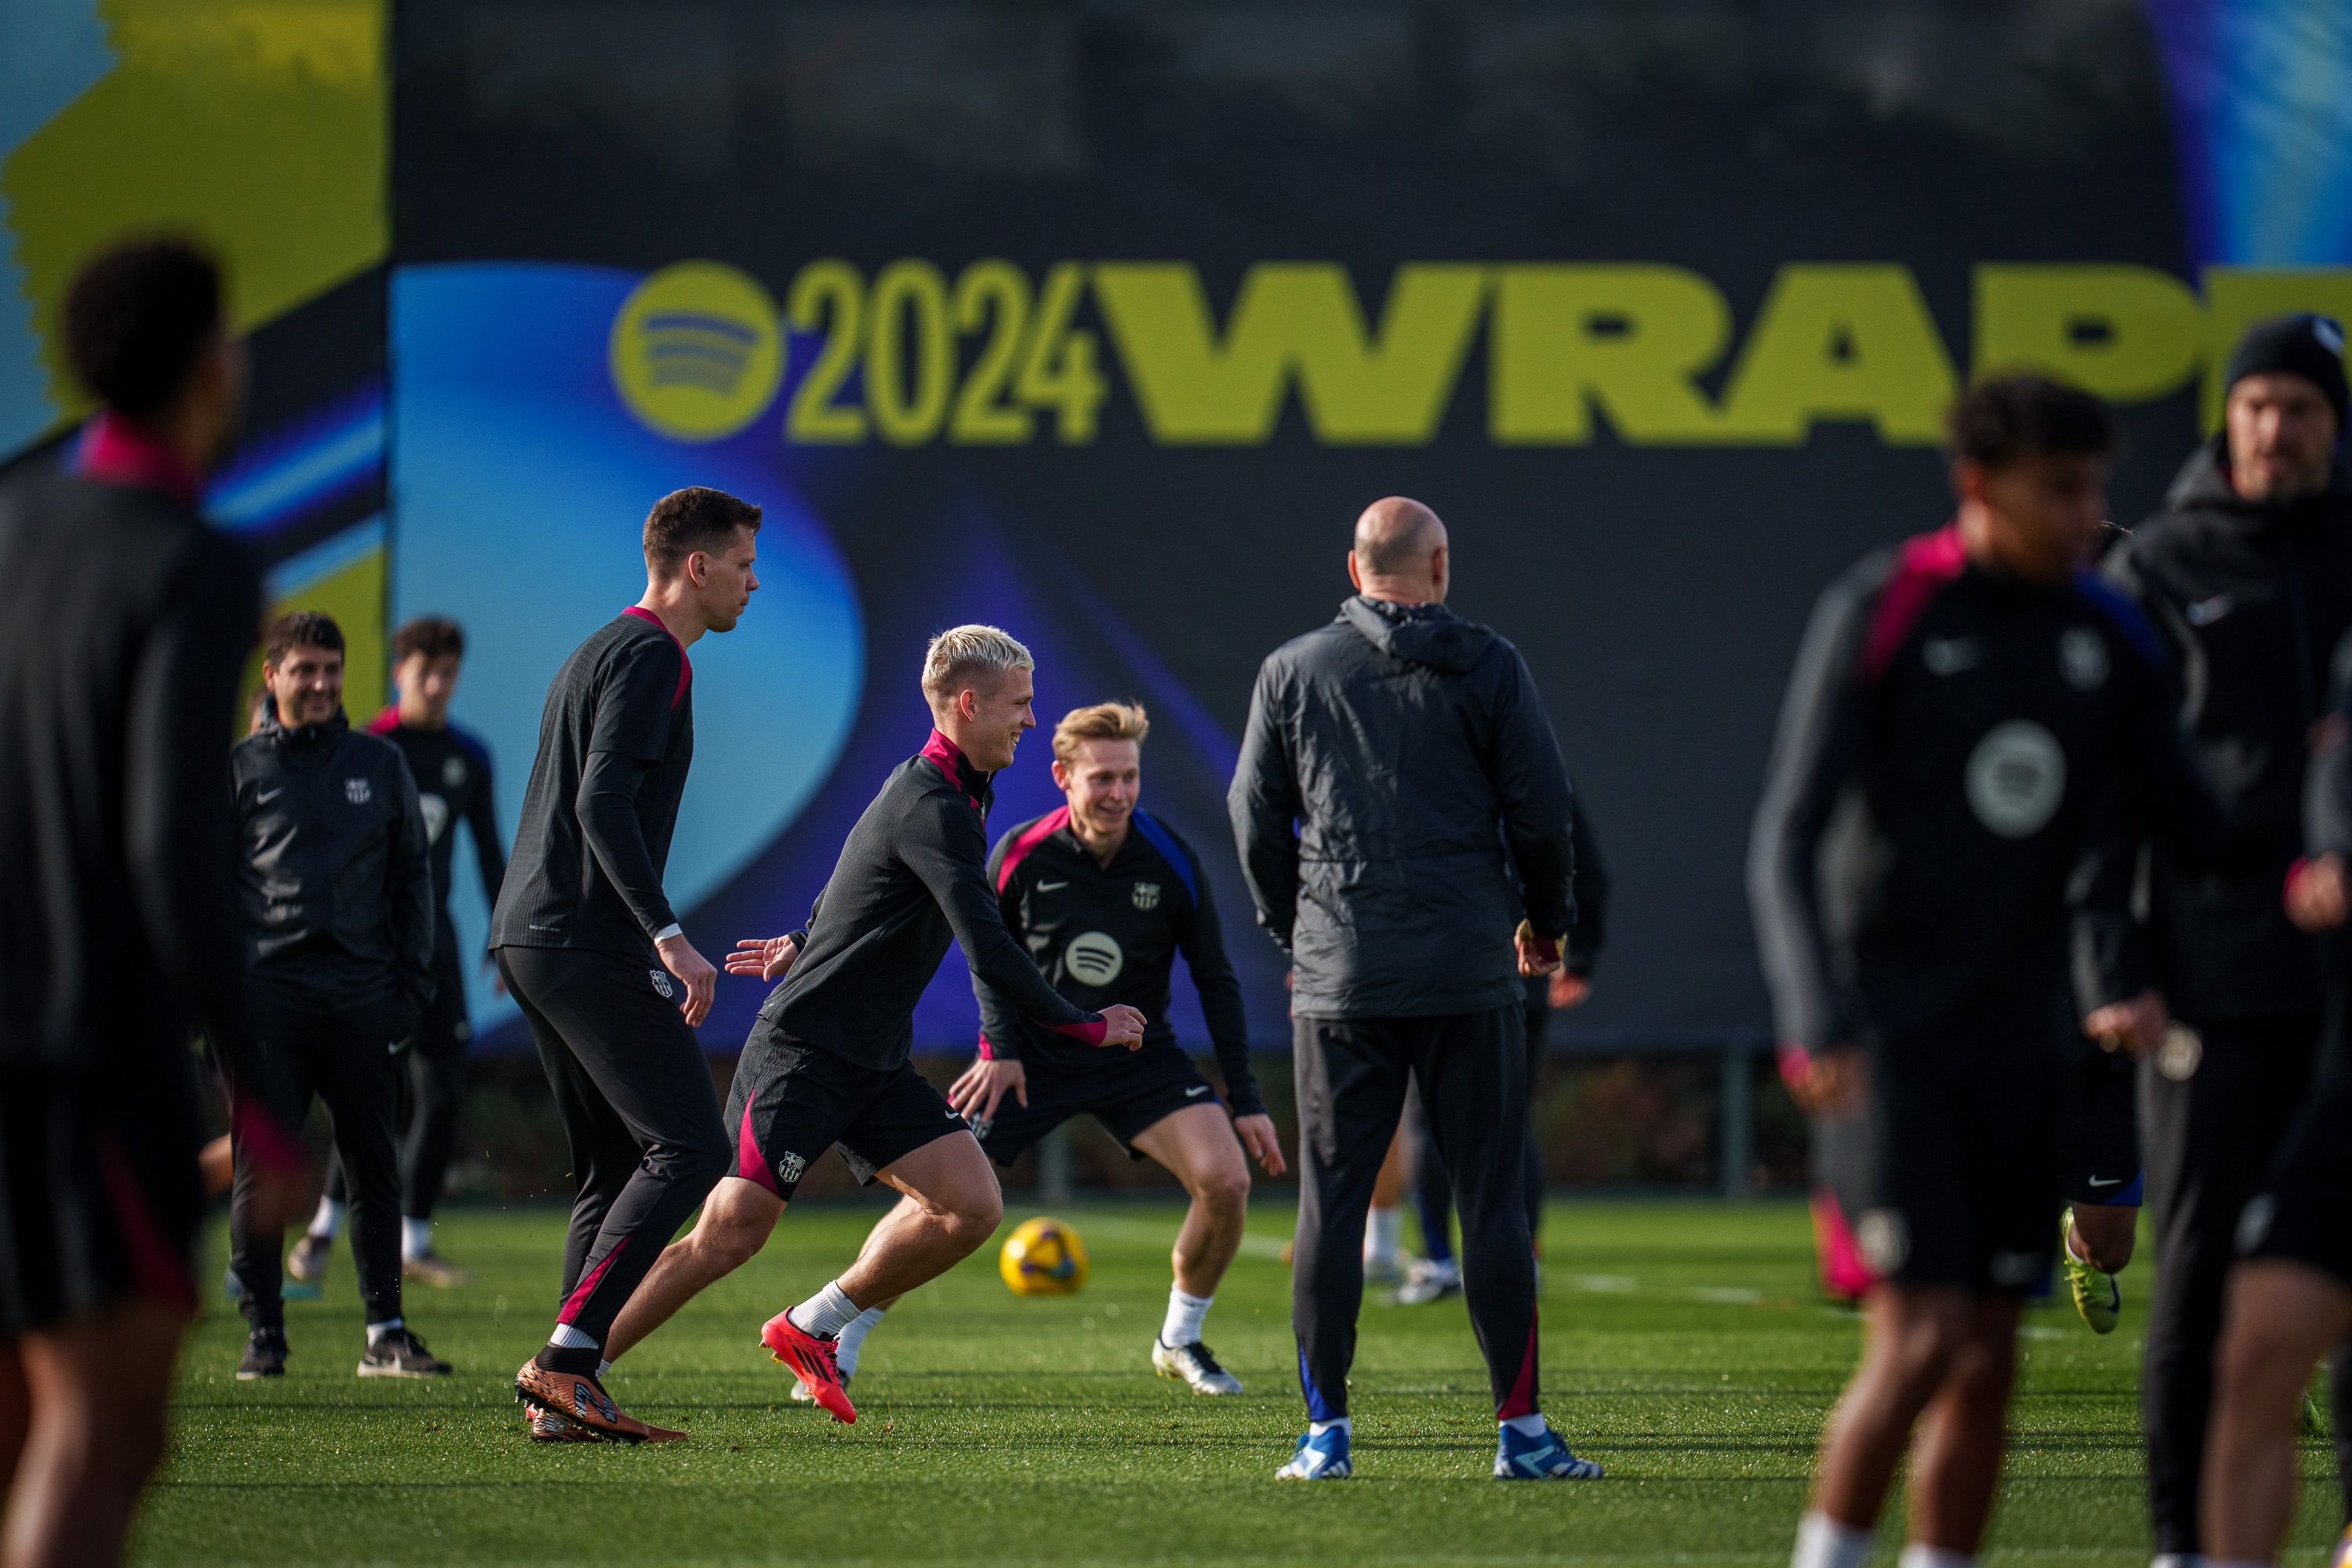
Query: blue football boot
x=1541, y=1458
x=1323, y=1458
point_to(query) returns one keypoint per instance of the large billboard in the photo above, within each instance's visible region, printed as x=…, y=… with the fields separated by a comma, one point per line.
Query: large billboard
x=1101, y=321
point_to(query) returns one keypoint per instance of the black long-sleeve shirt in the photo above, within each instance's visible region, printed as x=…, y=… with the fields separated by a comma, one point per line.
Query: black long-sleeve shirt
x=1105, y=935
x=127, y=624
x=452, y=770
x=1951, y=743
x=615, y=741
x=912, y=878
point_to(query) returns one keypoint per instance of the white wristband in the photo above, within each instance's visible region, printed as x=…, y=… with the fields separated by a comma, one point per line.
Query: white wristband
x=667, y=932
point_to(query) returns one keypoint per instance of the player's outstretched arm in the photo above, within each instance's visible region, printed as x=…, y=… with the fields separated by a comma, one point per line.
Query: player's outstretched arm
x=976, y=1093
x=763, y=957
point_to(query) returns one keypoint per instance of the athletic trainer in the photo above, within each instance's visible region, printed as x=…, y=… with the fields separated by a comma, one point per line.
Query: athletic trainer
x=595, y=957
x=127, y=626
x=1967, y=712
x=2246, y=575
x=827, y=1063
x=337, y=900
x=1105, y=896
x=1400, y=800
x=452, y=769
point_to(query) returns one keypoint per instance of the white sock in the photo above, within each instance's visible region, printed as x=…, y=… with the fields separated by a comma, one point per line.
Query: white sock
x=567, y=1338
x=2177, y=1560
x=1381, y=1234
x=1919, y=1554
x=1824, y=1542
x=824, y=1314
x=604, y=1370
x=377, y=1331
x=1184, y=1315
x=328, y=1220
x=1316, y=1429
x=852, y=1338
x=415, y=1239
x=1525, y=1426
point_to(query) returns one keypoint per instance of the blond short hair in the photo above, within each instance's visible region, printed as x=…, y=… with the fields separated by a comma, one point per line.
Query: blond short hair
x=1103, y=721
x=958, y=654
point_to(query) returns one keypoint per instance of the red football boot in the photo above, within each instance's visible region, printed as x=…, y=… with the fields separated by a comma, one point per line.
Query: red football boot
x=812, y=1360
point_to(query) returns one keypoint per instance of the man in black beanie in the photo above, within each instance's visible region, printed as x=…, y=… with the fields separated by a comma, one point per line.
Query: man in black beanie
x=2246, y=573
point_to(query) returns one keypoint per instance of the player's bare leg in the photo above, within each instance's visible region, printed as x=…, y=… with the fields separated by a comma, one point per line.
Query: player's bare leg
x=1198, y=1146
x=736, y=1221
x=95, y=1392
x=15, y=1412
x=1914, y=1336
x=2283, y=1317
x=2106, y=1234
x=1963, y=1434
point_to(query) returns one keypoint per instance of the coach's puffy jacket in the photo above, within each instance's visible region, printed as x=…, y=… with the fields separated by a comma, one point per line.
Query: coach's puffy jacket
x=334, y=875
x=2250, y=600
x=1399, y=798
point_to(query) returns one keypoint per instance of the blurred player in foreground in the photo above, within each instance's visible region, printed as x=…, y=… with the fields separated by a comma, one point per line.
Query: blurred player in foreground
x=452, y=769
x=128, y=626
x=1399, y=799
x=1105, y=896
x=1967, y=710
x=2290, y=1298
x=828, y=1062
x=594, y=956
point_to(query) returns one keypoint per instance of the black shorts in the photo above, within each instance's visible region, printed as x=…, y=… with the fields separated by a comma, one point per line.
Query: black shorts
x=792, y=1102
x=2303, y=1212
x=2101, y=1154
x=99, y=1196
x=1126, y=1092
x=1961, y=1180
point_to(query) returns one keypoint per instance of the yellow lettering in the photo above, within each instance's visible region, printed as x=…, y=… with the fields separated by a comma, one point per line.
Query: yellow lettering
x=1625, y=340
x=1840, y=342
x=2129, y=333
x=1293, y=322
x=2238, y=297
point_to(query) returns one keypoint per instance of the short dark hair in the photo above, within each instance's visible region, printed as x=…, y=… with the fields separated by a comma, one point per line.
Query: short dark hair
x=432, y=636
x=301, y=628
x=138, y=318
x=695, y=518
x=2004, y=419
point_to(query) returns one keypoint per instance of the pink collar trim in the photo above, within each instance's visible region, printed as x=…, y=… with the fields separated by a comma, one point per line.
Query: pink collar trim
x=114, y=453
x=685, y=665
x=948, y=757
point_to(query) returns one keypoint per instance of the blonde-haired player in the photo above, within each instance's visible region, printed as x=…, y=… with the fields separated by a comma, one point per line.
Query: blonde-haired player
x=1105, y=898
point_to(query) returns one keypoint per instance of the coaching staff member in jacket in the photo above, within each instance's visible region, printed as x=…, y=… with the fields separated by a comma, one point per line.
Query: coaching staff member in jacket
x=1430, y=805
x=2246, y=574
x=335, y=883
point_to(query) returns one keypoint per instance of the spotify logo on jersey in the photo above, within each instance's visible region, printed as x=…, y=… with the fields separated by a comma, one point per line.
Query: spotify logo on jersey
x=2016, y=777
x=1094, y=958
x=697, y=351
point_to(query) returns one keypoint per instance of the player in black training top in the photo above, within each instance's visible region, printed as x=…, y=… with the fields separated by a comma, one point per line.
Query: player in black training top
x=1105, y=896
x=827, y=1063
x=1968, y=712
x=594, y=956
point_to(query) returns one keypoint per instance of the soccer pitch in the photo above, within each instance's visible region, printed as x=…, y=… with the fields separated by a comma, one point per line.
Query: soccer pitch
x=1683, y=1347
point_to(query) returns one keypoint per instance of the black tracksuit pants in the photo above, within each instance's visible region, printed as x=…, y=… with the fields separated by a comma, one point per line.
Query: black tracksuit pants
x=345, y=1052
x=1470, y=1070
x=2213, y=1121
x=1432, y=1189
x=432, y=1090
x=639, y=1111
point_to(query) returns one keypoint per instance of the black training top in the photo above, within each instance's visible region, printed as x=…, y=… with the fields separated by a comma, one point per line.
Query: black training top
x=127, y=626
x=452, y=770
x=1107, y=934
x=1951, y=744
x=912, y=878
x=614, y=744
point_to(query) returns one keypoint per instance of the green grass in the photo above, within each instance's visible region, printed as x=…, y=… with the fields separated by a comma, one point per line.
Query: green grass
x=1683, y=1347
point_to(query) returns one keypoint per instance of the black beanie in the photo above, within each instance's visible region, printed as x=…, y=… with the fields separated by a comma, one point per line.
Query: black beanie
x=2306, y=345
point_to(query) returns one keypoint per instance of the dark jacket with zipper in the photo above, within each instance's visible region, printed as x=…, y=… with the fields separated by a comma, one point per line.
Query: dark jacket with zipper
x=2251, y=599
x=334, y=874
x=1398, y=799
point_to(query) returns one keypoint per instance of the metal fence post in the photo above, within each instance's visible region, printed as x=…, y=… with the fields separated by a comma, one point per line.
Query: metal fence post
x=1737, y=1142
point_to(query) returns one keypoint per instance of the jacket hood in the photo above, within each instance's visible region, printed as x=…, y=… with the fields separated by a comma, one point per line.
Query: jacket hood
x=1418, y=634
x=304, y=735
x=2203, y=485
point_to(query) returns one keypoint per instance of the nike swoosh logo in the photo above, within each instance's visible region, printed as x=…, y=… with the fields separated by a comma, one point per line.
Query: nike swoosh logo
x=2205, y=611
x=1049, y=886
x=2107, y=1181
x=1197, y=1090
x=266, y=799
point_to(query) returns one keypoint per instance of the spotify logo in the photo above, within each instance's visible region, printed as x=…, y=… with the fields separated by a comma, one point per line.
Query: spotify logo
x=697, y=351
x=1094, y=958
